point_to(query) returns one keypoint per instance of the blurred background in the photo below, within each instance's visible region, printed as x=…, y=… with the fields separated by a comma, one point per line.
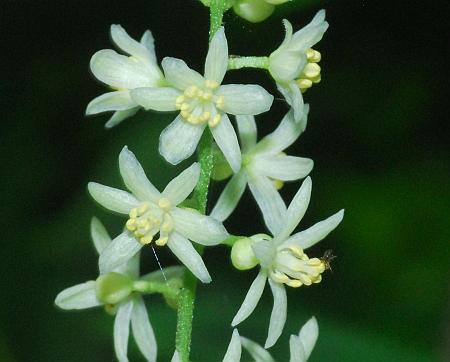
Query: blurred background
x=376, y=132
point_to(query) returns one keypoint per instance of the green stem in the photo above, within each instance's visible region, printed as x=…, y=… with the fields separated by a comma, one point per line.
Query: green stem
x=248, y=62
x=186, y=297
x=144, y=286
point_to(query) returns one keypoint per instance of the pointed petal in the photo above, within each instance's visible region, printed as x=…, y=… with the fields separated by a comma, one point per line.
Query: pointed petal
x=171, y=272
x=132, y=267
x=111, y=198
x=134, y=177
x=225, y=137
x=186, y=253
x=99, y=235
x=285, y=168
x=288, y=34
x=308, y=336
x=245, y=99
x=294, y=98
x=285, y=65
x=176, y=357
x=118, y=252
x=158, y=98
x=180, y=75
x=279, y=312
x=119, y=71
x=269, y=201
x=112, y=101
x=251, y=299
x=284, y=135
x=119, y=116
x=200, y=228
x=122, y=330
x=125, y=42
x=315, y=233
x=142, y=330
x=247, y=132
x=258, y=353
x=296, y=349
x=217, y=58
x=148, y=42
x=179, y=140
x=234, y=350
x=264, y=251
x=311, y=34
x=79, y=296
x=297, y=209
x=181, y=186
x=230, y=196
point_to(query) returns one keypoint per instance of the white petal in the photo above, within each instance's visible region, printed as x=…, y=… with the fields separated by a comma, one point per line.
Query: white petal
x=225, y=137
x=176, y=357
x=230, y=196
x=122, y=331
x=119, y=116
x=285, y=65
x=79, y=296
x=118, y=252
x=288, y=34
x=134, y=177
x=112, y=101
x=181, y=186
x=132, y=267
x=111, y=198
x=148, y=41
x=179, y=140
x=258, y=353
x=125, y=42
x=308, y=336
x=234, y=350
x=315, y=233
x=294, y=98
x=311, y=34
x=296, y=348
x=180, y=75
x=265, y=252
x=297, y=208
x=119, y=71
x=285, y=168
x=251, y=299
x=186, y=253
x=245, y=99
x=99, y=235
x=142, y=330
x=284, y=135
x=200, y=228
x=217, y=57
x=158, y=98
x=168, y=273
x=269, y=201
x=279, y=312
x=247, y=132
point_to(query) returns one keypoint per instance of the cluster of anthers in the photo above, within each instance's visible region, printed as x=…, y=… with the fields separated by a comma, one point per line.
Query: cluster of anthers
x=294, y=268
x=148, y=219
x=311, y=73
x=198, y=105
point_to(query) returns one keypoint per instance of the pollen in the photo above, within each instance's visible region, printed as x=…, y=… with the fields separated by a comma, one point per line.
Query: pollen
x=311, y=72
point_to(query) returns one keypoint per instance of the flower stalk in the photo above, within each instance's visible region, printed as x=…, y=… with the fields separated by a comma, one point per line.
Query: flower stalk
x=238, y=62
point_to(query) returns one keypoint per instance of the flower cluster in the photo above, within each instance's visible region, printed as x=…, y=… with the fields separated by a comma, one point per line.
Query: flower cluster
x=172, y=217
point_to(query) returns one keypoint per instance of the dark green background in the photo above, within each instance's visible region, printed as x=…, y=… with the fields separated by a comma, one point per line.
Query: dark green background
x=377, y=132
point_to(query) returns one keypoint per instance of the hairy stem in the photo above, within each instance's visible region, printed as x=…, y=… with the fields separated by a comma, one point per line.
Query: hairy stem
x=186, y=297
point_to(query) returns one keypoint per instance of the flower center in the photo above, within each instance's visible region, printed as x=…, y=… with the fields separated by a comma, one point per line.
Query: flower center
x=148, y=219
x=311, y=71
x=294, y=268
x=199, y=105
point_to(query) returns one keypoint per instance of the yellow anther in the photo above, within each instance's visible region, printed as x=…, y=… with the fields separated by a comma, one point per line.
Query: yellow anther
x=213, y=122
x=185, y=114
x=180, y=99
x=211, y=84
x=133, y=213
x=131, y=224
x=304, y=84
x=146, y=240
x=279, y=277
x=294, y=283
x=297, y=251
x=220, y=102
x=305, y=279
x=164, y=204
x=185, y=107
x=313, y=56
x=206, y=96
x=311, y=70
x=190, y=91
x=162, y=241
x=141, y=223
x=143, y=208
x=278, y=184
x=205, y=116
x=317, y=279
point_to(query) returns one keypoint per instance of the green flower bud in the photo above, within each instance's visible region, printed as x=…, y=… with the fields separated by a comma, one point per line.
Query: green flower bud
x=242, y=255
x=254, y=11
x=112, y=288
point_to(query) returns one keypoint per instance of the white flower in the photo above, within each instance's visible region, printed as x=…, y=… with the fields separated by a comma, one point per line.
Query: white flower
x=300, y=345
x=123, y=73
x=283, y=261
x=120, y=299
x=294, y=64
x=202, y=102
x=264, y=164
x=152, y=212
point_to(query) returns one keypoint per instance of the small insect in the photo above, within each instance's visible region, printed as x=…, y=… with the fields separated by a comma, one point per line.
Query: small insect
x=327, y=258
